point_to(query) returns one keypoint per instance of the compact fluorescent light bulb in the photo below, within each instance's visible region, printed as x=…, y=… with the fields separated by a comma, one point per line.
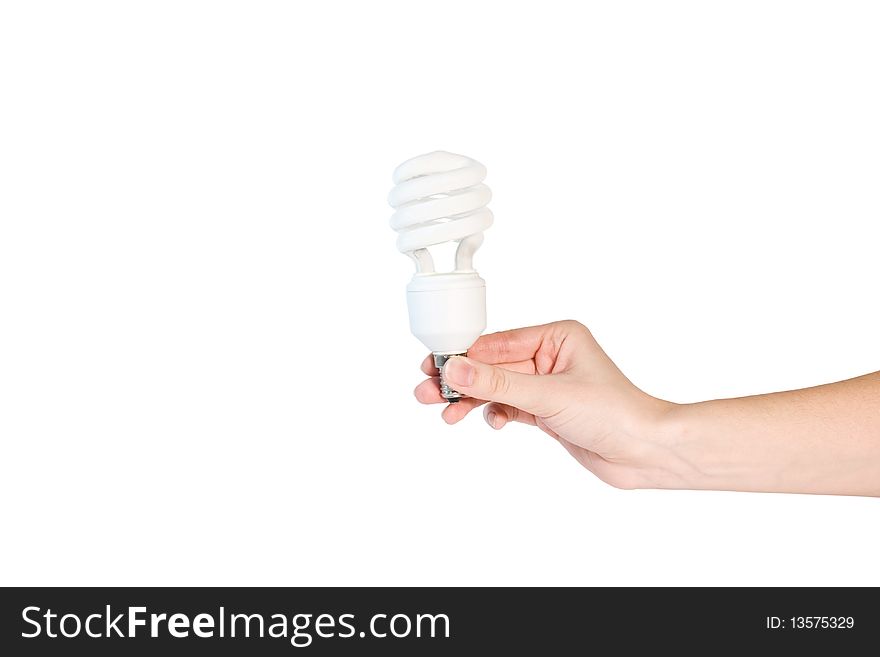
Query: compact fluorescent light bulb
x=440, y=197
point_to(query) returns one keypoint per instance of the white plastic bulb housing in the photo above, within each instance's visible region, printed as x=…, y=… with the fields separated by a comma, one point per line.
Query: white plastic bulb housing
x=440, y=197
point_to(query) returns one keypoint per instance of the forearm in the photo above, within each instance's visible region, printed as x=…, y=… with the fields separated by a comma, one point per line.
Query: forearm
x=817, y=440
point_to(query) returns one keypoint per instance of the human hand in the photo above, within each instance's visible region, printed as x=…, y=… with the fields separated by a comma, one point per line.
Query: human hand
x=557, y=377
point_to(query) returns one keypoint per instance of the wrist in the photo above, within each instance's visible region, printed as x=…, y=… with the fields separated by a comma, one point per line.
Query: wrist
x=701, y=455
x=681, y=458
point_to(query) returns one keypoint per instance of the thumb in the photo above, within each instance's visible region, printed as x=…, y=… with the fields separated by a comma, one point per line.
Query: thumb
x=528, y=392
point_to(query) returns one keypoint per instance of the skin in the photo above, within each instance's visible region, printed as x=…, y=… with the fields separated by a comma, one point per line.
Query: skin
x=557, y=378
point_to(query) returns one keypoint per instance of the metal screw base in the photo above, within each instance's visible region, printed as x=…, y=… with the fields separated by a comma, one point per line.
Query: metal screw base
x=450, y=395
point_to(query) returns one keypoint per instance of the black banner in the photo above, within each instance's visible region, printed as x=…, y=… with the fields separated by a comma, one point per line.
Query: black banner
x=407, y=621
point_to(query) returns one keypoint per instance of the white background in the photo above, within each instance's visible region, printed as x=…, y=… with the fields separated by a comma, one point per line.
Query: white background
x=205, y=361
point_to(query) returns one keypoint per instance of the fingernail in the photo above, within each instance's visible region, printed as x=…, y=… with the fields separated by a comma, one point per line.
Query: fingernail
x=459, y=372
x=491, y=417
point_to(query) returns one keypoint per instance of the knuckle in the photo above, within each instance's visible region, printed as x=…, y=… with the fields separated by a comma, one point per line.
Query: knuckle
x=501, y=343
x=574, y=326
x=499, y=382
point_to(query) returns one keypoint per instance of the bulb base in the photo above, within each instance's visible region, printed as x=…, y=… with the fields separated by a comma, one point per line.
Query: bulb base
x=447, y=312
x=450, y=395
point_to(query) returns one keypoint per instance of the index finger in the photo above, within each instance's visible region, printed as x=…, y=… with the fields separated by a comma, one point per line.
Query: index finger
x=509, y=346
